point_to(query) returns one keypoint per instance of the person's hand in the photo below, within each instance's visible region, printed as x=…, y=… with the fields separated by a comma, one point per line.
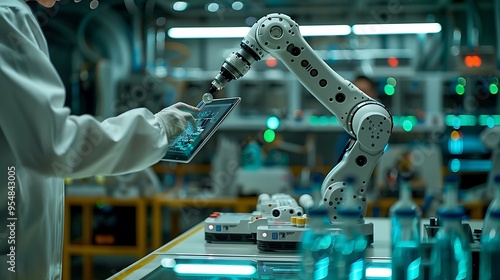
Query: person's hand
x=175, y=119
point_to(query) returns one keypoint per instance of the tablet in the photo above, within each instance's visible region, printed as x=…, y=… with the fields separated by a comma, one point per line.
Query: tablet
x=185, y=146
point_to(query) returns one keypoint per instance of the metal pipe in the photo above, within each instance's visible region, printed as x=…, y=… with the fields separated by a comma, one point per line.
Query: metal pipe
x=496, y=13
x=137, y=42
x=472, y=30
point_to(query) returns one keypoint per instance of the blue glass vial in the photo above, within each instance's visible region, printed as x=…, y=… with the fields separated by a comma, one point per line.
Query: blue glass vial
x=405, y=235
x=451, y=256
x=316, y=247
x=489, y=259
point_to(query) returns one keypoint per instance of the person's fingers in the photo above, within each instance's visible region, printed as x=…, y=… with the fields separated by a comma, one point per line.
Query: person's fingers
x=176, y=123
x=184, y=106
x=182, y=123
x=191, y=119
x=188, y=117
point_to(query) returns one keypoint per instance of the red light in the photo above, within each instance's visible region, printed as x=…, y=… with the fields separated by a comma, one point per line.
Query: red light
x=271, y=62
x=393, y=62
x=472, y=61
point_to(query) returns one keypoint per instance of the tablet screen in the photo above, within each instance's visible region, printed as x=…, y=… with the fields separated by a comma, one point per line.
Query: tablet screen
x=184, y=147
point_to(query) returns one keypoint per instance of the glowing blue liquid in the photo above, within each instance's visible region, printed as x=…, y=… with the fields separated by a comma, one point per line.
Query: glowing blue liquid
x=490, y=265
x=332, y=256
x=348, y=258
x=316, y=255
x=451, y=258
x=406, y=261
x=489, y=259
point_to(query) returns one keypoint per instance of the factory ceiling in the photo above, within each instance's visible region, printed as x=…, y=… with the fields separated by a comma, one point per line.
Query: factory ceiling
x=318, y=11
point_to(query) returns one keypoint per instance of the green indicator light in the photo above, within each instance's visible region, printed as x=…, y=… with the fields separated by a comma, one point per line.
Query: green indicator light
x=273, y=123
x=99, y=205
x=407, y=125
x=448, y=120
x=460, y=89
x=323, y=120
x=313, y=120
x=467, y=120
x=412, y=119
x=395, y=120
x=269, y=135
x=462, y=81
x=333, y=120
x=493, y=89
x=391, y=81
x=388, y=89
x=482, y=119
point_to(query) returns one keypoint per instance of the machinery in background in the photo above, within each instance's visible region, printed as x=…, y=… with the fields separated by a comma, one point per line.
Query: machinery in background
x=477, y=156
x=272, y=179
x=143, y=91
x=225, y=163
x=272, y=169
x=491, y=139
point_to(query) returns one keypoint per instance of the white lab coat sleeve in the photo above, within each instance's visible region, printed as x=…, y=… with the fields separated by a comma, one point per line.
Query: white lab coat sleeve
x=43, y=135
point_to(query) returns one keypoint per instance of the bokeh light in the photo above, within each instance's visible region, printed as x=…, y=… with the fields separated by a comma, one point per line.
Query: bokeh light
x=269, y=135
x=180, y=6
x=273, y=123
x=237, y=5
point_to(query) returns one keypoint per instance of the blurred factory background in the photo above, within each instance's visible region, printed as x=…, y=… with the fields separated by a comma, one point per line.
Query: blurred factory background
x=439, y=78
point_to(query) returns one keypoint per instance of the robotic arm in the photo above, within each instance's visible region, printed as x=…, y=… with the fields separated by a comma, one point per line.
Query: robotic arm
x=365, y=119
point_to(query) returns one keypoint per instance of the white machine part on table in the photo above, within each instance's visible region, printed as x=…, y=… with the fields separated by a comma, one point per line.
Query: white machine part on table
x=270, y=226
x=286, y=237
x=242, y=227
x=365, y=119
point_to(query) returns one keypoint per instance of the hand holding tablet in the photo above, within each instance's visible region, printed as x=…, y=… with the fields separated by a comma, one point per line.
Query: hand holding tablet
x=184, y=147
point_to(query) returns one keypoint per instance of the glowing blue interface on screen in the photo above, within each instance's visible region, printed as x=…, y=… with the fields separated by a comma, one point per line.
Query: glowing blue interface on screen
x=188, y=140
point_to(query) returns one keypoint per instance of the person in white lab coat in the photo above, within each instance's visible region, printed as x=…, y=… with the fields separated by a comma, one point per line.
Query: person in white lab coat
x=41, y=143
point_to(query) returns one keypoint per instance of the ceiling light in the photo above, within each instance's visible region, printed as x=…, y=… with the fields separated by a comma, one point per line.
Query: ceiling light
x=94, y=4
x=240, y=32
x=207, y=32
x=180, y=6
x=324, y=30
x=237, y=5
x=402, y=28
x=213, y=7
